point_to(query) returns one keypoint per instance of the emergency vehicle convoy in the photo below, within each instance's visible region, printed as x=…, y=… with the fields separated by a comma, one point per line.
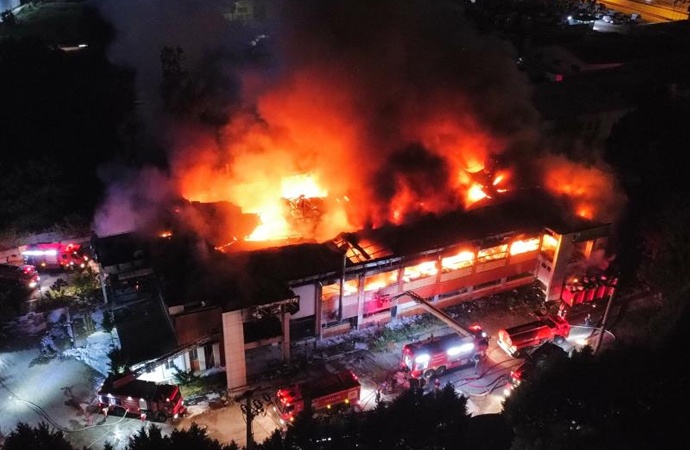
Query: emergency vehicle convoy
x=55, y=256
x=519, y=340
x=432, y=357
x=333, y=390
x=146, y=399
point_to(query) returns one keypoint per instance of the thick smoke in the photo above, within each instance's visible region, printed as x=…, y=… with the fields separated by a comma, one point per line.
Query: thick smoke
x=145, y=27
x=391, y=107
x=132, y=200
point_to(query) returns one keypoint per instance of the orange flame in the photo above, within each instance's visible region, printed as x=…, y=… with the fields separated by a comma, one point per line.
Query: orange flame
x=592, y=189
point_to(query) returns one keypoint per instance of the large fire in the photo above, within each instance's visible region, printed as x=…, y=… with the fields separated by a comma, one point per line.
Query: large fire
x=592, y=191
x=311, y=176
x=360, y=132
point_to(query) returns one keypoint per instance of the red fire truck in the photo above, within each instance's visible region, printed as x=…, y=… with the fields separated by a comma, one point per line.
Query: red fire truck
x=432, y=357
x=26, y=275
x=55, y=256
x=337, y=389
x=146, y=399
x=519, y=340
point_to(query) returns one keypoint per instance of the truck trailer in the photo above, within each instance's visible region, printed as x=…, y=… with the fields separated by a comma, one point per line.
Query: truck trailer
x=519, y=340
x=146, y=399
x=330, y=391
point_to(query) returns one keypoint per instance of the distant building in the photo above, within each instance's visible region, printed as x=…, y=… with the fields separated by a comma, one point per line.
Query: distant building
x=584, y=85
x=249, y=11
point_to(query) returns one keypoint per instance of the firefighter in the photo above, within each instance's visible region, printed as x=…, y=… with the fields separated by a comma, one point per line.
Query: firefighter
x=562, y=311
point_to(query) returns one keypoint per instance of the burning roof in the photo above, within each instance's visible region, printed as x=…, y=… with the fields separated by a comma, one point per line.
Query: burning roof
x=365, y=116
x=264, y=275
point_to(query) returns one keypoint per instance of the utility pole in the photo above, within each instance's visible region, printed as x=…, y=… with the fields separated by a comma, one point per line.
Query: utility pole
x=250, y=409
x=342, y=287
x=101, y=278
x=602, y=328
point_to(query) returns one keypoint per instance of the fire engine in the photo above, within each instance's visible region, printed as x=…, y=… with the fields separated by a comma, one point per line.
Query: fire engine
x=149, y=400
x=337, y=389
x=55, y=256
x=26, y=275
x=432, y=357
x=519, y=340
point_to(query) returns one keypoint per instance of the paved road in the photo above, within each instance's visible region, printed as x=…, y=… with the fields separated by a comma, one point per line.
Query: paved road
x=650, y=11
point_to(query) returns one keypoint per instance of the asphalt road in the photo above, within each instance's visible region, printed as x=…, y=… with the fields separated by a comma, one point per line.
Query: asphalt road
x=651, y=11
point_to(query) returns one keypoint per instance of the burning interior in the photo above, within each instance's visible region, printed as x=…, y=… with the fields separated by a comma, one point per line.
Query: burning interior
x=434, y=119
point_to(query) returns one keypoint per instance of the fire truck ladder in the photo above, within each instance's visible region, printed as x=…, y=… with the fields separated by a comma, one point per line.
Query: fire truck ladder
x=439, y=314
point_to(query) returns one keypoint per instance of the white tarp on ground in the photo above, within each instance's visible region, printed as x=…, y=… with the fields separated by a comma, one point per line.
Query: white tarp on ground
x=95, y=351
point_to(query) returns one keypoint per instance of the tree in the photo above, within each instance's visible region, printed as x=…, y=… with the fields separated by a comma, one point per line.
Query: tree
x=12, y=297
x=418, y=420
x=8, y=18
x=25, y=437
x=176, y=85
x=647, y=148
x=194, y=437
x=620, y=399
x=414, y=420
x=119, y=361
x=86, y=284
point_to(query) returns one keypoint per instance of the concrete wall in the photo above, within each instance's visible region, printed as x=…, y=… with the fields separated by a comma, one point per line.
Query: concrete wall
x=307, y=300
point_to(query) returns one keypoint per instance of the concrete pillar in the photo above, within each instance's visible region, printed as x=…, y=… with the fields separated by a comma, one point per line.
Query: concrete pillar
x=187, y=361
x=360, y=300
x=233, y=343
x=286, y=336
x=559, y=268
x=319, y=312
x=201, y=354
x=216, y=354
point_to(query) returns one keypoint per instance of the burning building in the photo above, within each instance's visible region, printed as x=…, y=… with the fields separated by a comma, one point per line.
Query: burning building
x=389, y=148
x=306, y=291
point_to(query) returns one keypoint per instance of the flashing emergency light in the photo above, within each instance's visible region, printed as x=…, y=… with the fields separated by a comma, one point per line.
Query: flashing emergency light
x=460, y=349
x=39, y=252
x=421, y=359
